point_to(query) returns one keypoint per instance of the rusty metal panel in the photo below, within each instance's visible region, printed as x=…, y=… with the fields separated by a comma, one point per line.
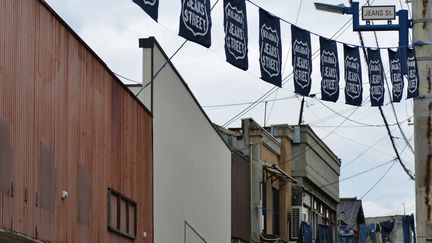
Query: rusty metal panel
x=240, y=197
x=47, y=180
x=84, y=195
x=5, y=157
x=66, y=124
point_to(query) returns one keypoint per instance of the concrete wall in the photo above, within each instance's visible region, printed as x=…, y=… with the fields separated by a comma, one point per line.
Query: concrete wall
x=192, y=165
x=315, y=161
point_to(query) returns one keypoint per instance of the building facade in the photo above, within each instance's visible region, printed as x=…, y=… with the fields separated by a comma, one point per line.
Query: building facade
x=269, y=198
x=316, y=169
x=192, y=164
x=350, y=212
x=75, y=143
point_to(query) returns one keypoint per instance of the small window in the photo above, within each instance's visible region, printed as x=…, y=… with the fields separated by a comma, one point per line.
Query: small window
x=122, y=215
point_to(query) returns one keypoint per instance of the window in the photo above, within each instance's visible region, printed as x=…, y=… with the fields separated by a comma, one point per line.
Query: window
x=122, y=215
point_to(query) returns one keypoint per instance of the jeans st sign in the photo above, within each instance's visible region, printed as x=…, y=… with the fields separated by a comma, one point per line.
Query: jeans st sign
x=370, y=13
x=378, y=13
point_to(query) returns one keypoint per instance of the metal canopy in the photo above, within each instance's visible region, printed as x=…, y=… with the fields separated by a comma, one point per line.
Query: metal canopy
x=277, y=173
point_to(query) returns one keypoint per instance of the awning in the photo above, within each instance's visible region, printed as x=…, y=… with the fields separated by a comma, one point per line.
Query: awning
x=277, y=173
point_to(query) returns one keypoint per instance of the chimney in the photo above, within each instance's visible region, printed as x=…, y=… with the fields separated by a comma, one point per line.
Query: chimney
x=144, y=91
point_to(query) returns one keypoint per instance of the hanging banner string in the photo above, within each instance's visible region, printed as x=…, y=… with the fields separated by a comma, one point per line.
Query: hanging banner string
x=414, y=43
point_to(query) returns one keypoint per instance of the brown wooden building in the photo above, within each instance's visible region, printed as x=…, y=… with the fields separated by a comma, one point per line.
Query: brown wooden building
x=75, y=143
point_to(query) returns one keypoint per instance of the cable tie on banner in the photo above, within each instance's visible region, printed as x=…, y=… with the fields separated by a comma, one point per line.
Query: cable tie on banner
x=424, y=58
x=421, y=42
x=422, y=21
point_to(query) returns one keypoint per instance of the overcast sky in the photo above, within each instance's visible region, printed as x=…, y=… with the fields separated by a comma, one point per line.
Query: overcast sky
x=112, y=29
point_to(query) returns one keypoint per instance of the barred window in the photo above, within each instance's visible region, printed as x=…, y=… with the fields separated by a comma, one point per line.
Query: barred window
x=122, y=214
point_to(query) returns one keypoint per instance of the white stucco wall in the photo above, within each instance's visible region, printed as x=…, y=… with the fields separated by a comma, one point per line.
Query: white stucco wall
x=192, y=165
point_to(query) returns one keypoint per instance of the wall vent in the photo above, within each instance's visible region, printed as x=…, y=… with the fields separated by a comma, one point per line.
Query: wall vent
x=295, y=222
x=296, y=135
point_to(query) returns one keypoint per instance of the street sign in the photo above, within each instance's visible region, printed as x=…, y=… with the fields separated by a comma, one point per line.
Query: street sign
x=378, y=12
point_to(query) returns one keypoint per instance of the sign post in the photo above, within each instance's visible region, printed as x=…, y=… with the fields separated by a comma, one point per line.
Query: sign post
x=374, y=12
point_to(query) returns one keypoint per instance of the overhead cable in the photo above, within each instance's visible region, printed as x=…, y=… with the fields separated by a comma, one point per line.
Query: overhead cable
x=359, y=173
x=167, y=61
x=407, y=171
x=340, y=42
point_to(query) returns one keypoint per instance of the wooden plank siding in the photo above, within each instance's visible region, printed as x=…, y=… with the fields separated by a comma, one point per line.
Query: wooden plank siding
x=66, y=124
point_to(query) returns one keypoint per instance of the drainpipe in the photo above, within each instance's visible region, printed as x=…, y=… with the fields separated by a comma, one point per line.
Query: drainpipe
x=254, y=133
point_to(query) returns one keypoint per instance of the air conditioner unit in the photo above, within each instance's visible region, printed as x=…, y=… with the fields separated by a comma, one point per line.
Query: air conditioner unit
x=299, y=214
x=295, y=221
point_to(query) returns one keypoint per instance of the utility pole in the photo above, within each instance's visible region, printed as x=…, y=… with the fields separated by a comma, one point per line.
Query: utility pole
x=422, y=30
x=422, y=33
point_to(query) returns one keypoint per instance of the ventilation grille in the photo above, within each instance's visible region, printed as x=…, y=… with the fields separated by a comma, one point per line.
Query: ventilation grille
x=295, y=222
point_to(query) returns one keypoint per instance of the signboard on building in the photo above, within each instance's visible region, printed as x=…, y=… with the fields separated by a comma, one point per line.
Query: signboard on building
x=379, y=12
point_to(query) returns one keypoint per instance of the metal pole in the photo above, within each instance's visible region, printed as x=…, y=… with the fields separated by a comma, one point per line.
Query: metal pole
x=422, y=30
x=403, y=37
x=301, y=112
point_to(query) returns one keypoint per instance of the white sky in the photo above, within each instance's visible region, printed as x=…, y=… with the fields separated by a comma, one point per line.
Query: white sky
x=112, y=29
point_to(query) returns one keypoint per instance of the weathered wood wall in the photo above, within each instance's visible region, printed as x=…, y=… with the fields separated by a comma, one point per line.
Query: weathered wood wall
x=66, y=123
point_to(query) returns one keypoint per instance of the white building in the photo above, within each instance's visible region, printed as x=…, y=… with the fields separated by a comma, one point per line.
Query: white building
x=192, y=164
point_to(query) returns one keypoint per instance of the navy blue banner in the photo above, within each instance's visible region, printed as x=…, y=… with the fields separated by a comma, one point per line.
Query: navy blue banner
x=376, y=77
x=270, y=48
x=150, y=7
x=353, y=77
x=396, y=75
x=413, y=77
x=329, y=70
x=301, y=60
x=195, y=21
x=236, y=35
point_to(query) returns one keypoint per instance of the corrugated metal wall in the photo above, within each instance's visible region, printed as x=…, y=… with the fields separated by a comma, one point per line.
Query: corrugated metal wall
x=240, y=198
x=66, y=123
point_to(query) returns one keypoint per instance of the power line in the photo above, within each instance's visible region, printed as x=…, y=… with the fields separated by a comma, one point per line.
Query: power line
x=407, y=171
x=354, y=121
x=128, y=79
x=248, y=103
x=339, y=32
x=361, y=154
x=366, y=146
x=316, y=143
x=359, y=173
x=283, y=70
x=264, y=96
x=313, y=33
x=380, y=179
x=169, y=59
x=392, y=104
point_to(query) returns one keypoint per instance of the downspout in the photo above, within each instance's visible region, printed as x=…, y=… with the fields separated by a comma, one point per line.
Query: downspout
x=250, y=190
